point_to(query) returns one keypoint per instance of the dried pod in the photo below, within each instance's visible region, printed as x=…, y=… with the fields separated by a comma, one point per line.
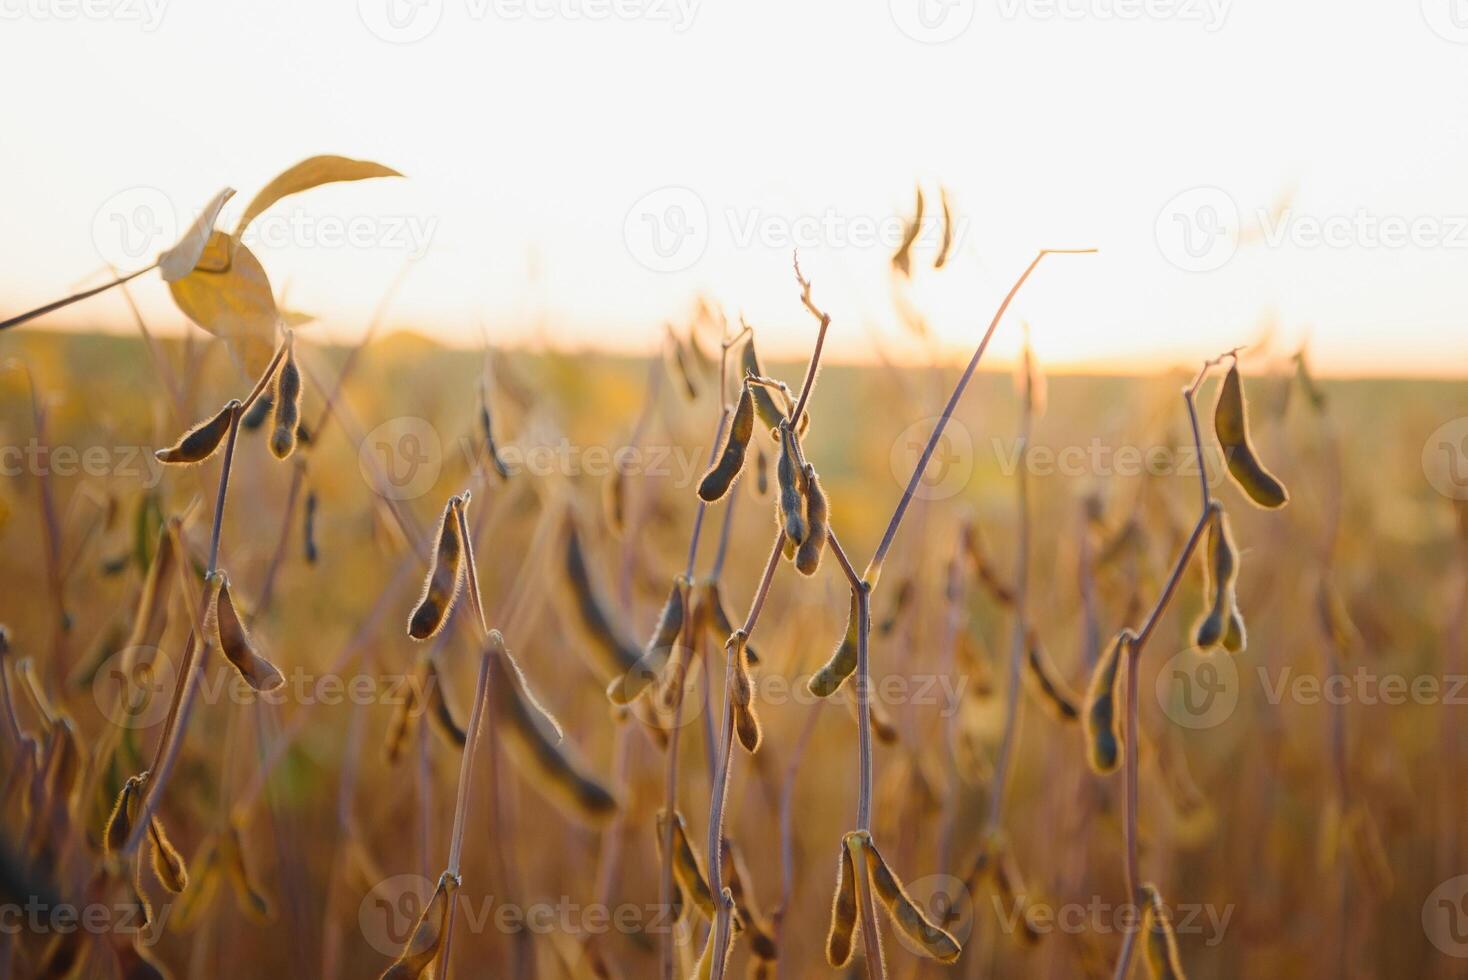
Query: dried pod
x=902, y=260
x=614, y=501
x=612, y=652
x=1103, y=719
x=134, y=962
x=1220, y=574
x=730, y=461
x=1163, y=962
x=423, y=946
x=790, y=477
x=439, y=713
x=711, y=617
x=761, y=472
x=687, y=868
x=1011, y=890
x=1046, y=684
x=741, y=695
x=262, y=408
x=627, y=687
x=901, y=599
x=828, y=680
x=287, y=413
x=736, y=876
x=946, y=245
x=152, y=615
x=808, y=555
x=200, y=442
x=234, y=641
x=308, y=528
x=249, y=896
x=120, y=822
x=401, y=725
x=931, y=939
x=764, y=402
x=844, y=920
x=445, y=576
x=1236, y=638
x=1230, y=422
x=168, y=865
x=534, y=743
x=486, y=429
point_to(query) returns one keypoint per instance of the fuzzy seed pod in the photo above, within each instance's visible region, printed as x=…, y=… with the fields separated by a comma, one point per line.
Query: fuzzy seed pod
x=629, y=686
x=308, y=528
x=736, y=875
x=401, y=725
x=287, y=413
x=931, y=939
x=249, y=897
x=261, y=410
x=486, y=428
x=534, y=743
x=828, y=680
x=704, y=968
x=1236, y=639
x=613, y=654
x=1011, y=889
x=234, y=641
x=808, y=556
x=901, y=599
x=1163, y=962
x=1230, y=422
x=902, y=260
x=687, y=867
x=946, y=245
x=741, y=695
x=790, y=477
x=152, y=615
x=445, y=577
x=761, y=472
x=711, y=617
x=1046, y=684
x=423, y=946
x=1220, y=575
x=730, y=461
x=764, y=402
x=614, y=502
x=200, y=442
x=1103, y=720
x=168, y=865
x=124, y=812
x=845, y=922
x=439, y=713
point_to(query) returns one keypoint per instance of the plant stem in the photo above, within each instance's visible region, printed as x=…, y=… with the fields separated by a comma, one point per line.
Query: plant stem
x=16, y=321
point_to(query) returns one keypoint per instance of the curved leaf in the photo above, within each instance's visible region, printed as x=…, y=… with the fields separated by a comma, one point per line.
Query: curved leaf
x=307, y=174
x=229, y=295
x=180, y=260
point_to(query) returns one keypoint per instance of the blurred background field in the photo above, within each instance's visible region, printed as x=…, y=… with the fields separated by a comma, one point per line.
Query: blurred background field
x=1242, y=814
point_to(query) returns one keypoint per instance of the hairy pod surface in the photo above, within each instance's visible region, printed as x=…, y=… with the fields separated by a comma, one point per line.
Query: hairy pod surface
x=934, y=941
x=445, y=577
x=612, y=653
x=1102, y=718
x=629, y=686
x=817, y=514
x=790, y=477
x=686, y=866
x=286, y=417
x=203, y=440
x=424, y=944
x=841, y=938
x=730, y=461
x=234, y=640
x=828, y=680
x=1045, y=682
x=1163, y=961
x=1230, y=422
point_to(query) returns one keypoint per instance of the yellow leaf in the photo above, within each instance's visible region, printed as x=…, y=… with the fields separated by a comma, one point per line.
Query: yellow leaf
x=228, y=294
x=180, y=260
x=307, y=174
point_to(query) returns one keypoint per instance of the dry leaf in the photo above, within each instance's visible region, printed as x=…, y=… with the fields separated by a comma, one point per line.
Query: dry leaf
x=234, y=303
x=180, y=260
x=307, y=174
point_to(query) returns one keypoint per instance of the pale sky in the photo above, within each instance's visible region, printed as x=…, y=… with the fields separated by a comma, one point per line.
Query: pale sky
x=546, y=143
